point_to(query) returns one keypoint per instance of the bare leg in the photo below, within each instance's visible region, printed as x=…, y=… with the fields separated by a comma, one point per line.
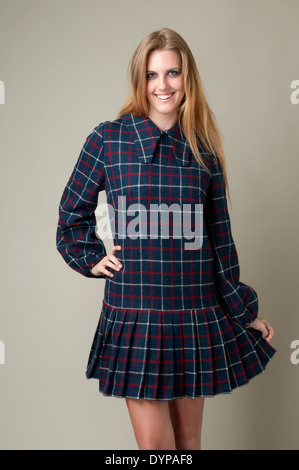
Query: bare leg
x=187, y=415
x=152, y=424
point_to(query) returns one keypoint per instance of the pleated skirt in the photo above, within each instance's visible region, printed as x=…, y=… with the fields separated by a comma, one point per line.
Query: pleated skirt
x=166, y=355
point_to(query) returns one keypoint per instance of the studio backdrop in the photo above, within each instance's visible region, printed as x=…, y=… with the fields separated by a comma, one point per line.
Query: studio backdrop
x=64, y=70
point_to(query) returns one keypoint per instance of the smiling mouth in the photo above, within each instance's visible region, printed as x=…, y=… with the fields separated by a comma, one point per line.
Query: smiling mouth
x=164, y=98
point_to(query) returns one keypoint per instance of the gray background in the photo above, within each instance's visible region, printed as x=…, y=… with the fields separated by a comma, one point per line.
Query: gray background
x=64, y=65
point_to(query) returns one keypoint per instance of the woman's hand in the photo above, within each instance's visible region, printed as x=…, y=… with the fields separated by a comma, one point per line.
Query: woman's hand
x=109, y=260
x=262, y=325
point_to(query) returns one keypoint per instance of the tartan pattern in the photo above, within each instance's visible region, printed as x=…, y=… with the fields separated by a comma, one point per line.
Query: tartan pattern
x=169, y=355
x=132, y=158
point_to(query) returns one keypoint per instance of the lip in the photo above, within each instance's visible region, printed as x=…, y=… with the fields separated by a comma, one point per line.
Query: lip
x=164, y=101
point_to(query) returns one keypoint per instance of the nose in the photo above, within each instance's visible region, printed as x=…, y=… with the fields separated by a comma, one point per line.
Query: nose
x=163, y=83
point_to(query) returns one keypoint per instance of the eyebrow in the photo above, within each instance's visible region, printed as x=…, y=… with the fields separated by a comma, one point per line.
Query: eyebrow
x=173, y=68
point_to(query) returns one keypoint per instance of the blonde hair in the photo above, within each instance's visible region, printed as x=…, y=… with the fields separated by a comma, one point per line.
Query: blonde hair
x=196, y=119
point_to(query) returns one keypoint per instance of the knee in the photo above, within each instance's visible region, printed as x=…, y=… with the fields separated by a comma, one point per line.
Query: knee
x=150, y=444
x=188, y=442
x=156, y=443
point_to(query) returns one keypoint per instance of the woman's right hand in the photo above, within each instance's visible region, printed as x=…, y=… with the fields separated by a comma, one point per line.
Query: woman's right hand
x=109, y=260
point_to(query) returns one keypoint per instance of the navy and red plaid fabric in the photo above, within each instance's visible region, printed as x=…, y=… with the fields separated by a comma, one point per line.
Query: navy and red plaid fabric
x=172, y=354
x=166, y=297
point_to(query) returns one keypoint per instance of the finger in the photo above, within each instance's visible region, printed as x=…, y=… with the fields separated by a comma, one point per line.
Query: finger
x=101, y=270
x=270, y=332
x=264, y=330
x=265, y=333
x=115, y=248
x=269, y=328
x=114, y=266
x=113, y=259
x=105, y=271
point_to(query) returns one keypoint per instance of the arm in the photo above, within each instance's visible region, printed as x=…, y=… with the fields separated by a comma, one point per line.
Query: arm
x=239, y=300
x=76, y=238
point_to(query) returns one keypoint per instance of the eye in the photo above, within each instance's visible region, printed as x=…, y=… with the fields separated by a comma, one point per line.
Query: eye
x=174, y=72
x=150, y=75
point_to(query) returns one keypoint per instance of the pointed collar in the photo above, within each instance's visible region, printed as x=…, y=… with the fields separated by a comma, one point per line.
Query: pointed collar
x=146, y=136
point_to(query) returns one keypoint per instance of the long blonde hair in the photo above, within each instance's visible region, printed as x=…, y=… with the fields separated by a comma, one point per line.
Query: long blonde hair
x=196, y=119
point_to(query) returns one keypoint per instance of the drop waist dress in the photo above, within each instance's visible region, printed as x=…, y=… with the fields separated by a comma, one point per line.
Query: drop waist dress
x=174, y=320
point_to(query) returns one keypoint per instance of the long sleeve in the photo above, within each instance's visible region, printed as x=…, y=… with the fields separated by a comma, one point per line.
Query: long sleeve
x=76, y=238
x=239, y=300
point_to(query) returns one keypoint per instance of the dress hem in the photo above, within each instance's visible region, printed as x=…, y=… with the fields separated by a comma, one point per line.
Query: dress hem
x=216, y=394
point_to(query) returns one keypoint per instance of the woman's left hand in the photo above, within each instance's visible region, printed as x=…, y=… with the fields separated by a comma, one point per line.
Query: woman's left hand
x=264, y=327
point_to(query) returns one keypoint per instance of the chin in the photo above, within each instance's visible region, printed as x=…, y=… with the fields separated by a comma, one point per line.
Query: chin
x=163, y=109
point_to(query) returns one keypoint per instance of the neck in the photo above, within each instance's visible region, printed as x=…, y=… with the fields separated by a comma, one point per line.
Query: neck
x=163, y=122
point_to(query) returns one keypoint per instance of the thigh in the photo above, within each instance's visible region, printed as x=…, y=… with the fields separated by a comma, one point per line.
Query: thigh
x=187, y=415
x=152, y=423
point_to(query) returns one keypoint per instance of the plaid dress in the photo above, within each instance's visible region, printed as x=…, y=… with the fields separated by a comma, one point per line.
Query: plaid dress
x=173, y=319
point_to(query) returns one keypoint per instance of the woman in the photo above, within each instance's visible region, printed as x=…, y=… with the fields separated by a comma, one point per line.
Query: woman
x=177, y=325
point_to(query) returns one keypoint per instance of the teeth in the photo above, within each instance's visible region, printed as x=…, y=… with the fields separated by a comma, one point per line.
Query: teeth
x=164, y=97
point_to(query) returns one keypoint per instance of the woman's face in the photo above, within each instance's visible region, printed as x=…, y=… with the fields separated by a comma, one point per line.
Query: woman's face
x=165, y=85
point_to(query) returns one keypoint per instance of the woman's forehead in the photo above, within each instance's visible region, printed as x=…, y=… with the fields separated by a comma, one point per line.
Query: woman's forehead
x=165, y=58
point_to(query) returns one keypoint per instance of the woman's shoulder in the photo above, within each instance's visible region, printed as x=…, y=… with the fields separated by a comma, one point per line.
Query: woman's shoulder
x=112, y=126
